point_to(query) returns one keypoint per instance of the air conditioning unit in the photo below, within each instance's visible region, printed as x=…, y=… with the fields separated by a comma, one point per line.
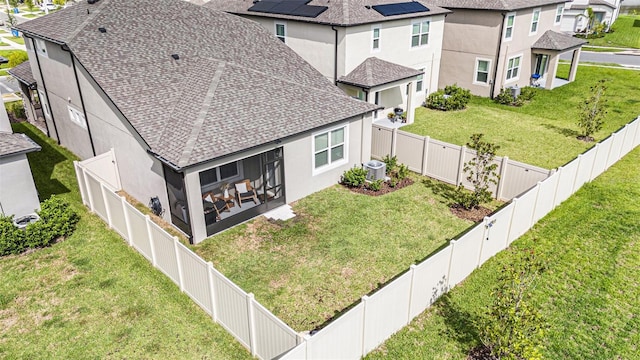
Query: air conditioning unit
x=375, y=170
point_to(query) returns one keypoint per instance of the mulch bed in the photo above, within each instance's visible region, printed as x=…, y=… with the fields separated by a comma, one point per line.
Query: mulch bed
x=480, y=353
x=385, y=189
x=475, y=214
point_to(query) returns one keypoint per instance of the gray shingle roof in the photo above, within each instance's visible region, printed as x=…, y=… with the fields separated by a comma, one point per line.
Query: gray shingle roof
x=374, y=72
x=23, y=73
x=507, y=5
x=13, y=144
x=339, y=12
x=234, y=86
x=552, y=40
x=591, y=3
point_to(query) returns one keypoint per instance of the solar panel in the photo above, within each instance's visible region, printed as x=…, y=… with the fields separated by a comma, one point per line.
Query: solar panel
x=288, y=7
x=400, y=8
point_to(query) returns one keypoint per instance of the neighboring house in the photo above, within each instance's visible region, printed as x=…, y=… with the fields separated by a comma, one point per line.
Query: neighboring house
x=576, y=19
x=385, y=52
x=495, y=44
x=190, y=99
x=29, y=93
x=18, y=195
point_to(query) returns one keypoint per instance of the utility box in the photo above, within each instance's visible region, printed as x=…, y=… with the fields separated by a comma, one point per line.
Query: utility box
x=515, y=91
x=375, y=170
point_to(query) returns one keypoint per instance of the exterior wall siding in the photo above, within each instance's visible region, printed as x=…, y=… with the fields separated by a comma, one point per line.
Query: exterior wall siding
x=18, y=195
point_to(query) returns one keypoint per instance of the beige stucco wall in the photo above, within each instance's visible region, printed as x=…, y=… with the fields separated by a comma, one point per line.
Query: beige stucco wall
x=473, y=34
x=18, y=195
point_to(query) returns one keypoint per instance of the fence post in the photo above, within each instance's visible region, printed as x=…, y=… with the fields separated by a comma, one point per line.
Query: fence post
x=555, y=190
x=394, y=139
x=106, y=205
x=463, y=149
x=306, y=348
x=127, y=220
x=636, y=137
x=151, y=243
x=503, y=175
x=252, y=325
x=412, y=268
x=453, y=245
x=115, y=168
x=365, y=298
x=90, y=197
x=212, y=293
x=535, y=205
x=175, y=248
x=425, y=155
x=83, y=191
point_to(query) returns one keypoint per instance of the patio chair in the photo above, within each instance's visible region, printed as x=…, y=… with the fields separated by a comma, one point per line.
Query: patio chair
x=244, y=191
x=214, y=204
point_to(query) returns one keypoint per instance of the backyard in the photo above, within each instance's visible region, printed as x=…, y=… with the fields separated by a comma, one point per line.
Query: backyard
x=542, y=132
x=589, y=294
x=91, y=296
x=625, y=33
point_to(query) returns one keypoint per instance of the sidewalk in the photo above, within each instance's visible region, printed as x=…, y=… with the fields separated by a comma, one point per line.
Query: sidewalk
x=618, y=50
x=11, y=45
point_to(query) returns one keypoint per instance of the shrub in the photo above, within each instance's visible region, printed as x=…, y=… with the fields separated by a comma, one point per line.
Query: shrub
x=527, y=93
x=16, y=58
x=16, y=109
x=376, y=185
x=354, y=177
x=57, y=220
x=403, y=172
x=505, y=98
x=481, y=171
x=452, y=97
x=390, y=162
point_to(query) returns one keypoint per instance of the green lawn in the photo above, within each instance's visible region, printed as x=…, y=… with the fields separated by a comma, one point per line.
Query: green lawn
x=16, y=39
x=30, y=16
x=542, y=132
x=589, y=295
x=340, y=246
x=91, y=296
x=624, y=33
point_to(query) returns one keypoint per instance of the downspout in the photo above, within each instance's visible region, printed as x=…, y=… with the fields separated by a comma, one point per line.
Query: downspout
x=46, y=93
x=335, y=56
x=495, y=67
x=84, y=110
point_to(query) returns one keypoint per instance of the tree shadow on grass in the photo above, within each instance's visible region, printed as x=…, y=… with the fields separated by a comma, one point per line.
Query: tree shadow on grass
x=562, y=131
x=43, y=163
x=461, y=325
x=443, y=191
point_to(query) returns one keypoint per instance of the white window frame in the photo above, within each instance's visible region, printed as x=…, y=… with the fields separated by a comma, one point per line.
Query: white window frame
x=420, y=82
x=509, y=70
x=77, y=117
x=41, y=47
x=559, y=13
x=475, y=72
x=507, y=27
x=283, y=37
x=420, y=33
x=534, y=21
x=44, y=103
x=375, y=48
x=331, y=164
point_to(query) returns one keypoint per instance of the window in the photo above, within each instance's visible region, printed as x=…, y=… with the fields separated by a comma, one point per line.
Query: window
x=281, y=31
x=361, y=95
x=44, y=103
x=217, y=174
x=534, y=21
x=329, y=148
x=375, y=45
x=482, y=71
x=420, y=34
x=559, y=11
x=41, y=47
x=510, y=22
x=419, y=81
x=77, y=117
x=513, y=67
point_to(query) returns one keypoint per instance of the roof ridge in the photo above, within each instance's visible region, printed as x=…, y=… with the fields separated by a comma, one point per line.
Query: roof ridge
x=345, y=11
x=92, y=15
x=204, y=110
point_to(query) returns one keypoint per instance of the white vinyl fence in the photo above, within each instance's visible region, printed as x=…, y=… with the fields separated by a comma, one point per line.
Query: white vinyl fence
x=445, y=162
x=250, y=323
x=377, y=317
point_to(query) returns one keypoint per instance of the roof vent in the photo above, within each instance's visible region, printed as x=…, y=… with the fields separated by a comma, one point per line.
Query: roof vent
x=102, y=30
x=175, y=56
x=92, y=1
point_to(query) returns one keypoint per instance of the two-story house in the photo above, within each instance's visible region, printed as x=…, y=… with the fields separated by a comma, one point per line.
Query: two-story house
x=192, y=101
x=494, y=44
x=576, y=19
x=385, y=52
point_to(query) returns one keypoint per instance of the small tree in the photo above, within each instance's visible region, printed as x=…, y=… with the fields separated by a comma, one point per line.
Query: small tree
x=592, y=111
x=11, y=20
x=481, y=172
x=30, y=5
x=511, y=327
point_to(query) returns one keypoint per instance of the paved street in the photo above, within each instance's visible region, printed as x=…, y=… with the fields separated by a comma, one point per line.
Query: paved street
x=598, y=57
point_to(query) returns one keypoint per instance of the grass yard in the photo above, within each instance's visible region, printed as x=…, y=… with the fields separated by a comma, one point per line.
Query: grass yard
x=16, y=39
x=340, y=247
x=91, y=296
x=624, y=33
x=542, y=132
x=30, y=16
x=589, y=295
